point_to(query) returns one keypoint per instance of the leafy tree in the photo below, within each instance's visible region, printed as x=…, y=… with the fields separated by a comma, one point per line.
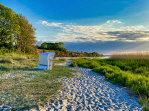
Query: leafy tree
x=5, y=25
x=53, y=46
x=9, y=26
x=15, y=28
x=44, y=45
x=26, y=38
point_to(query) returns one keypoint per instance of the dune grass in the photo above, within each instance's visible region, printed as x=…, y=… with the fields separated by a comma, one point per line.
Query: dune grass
x=131, y=55
x=133, y=73
x=23, y=86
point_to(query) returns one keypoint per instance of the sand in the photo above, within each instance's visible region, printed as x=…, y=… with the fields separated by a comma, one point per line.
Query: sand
x=90, y=92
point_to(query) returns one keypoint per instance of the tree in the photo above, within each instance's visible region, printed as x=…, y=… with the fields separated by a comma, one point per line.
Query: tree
x=44, y=45
x=26, y=39
x=53, y=46
x=5, y=25
x=15, y=28
x=9, y=26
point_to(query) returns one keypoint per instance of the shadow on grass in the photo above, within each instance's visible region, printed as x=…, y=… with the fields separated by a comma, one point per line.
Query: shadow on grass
x=3, y=68
x=25, y=69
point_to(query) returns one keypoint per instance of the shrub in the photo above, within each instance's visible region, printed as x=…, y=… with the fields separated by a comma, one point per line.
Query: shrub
x=140, y=70
x=74, y=64
x=4, y=50
x=94, y=64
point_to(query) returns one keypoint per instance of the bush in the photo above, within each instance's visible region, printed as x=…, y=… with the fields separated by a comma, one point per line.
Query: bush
x=4, y=50
x=94, y=64
x=140, y=70
x=74, y=64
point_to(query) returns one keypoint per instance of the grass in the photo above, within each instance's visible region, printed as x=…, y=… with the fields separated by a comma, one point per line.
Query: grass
x=131, y=55
x=133, y=73
x=23, y=86
x=59, y=60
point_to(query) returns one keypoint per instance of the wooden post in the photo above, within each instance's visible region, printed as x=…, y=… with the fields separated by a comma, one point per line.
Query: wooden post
x=52, y=63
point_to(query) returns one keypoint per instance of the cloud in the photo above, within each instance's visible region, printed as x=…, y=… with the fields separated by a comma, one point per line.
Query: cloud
x=53, y=24
x=131, y=36
x=41, y=36
x=114, y=21
x=104, y=32
x=132, y=28
x=63, y=37
x=112, y=30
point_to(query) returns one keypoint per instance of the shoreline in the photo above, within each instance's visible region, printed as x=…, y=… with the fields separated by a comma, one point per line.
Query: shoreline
x=67, y=58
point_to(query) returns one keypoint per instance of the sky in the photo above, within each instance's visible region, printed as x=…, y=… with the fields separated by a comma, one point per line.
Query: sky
x=103, y=26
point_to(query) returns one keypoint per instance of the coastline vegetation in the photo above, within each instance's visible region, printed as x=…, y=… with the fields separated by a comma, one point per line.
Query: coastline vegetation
x=131, y=55
x=23, y=86
x=61, y=51
x=133, y=73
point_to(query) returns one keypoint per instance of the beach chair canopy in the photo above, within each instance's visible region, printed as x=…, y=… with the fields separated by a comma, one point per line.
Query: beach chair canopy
x=44, y=57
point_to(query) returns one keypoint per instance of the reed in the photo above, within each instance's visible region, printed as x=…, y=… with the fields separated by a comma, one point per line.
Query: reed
x=131, y=55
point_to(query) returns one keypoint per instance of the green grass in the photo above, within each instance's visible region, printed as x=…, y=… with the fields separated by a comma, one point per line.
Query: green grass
x=133, y=73
x=60, y=61
x=28, y=86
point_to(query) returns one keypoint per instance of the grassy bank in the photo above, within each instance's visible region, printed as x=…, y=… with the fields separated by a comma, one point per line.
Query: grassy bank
x=23, y=86
x=133, y=73
x=131, y=55
x=70, y=53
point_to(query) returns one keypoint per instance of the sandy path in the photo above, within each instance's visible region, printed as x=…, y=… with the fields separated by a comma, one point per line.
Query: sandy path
x=89, y=91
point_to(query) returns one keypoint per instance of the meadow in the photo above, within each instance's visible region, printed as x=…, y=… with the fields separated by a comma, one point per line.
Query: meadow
x=129, y=72
x=23, y=86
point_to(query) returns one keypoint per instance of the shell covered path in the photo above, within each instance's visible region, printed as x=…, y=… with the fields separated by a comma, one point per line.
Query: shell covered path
x=90, y=92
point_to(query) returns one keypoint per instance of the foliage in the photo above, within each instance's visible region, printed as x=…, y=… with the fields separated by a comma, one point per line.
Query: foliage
x=53, y=46
x=15, y=29
x=26, y=37
x=74, y=64
x=133, y=73
x=68, y=53
x=44, y=45
x=4, y=50
x=61, y=51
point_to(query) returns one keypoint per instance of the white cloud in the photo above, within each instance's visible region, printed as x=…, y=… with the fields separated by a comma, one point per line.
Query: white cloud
x=41, y=36
x=132, y=28
x=103, y=32
x=113, y=21
x=108, y=21
x=53, y=24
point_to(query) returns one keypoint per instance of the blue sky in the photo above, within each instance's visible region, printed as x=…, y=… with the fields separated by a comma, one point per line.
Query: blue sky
x=104, y=26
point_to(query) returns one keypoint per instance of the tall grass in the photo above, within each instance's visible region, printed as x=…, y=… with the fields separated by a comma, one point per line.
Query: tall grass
x=131, y=55
x=133, y=73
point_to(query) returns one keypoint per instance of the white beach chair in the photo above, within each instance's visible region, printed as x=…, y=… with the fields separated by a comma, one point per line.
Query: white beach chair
x=46, y=61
